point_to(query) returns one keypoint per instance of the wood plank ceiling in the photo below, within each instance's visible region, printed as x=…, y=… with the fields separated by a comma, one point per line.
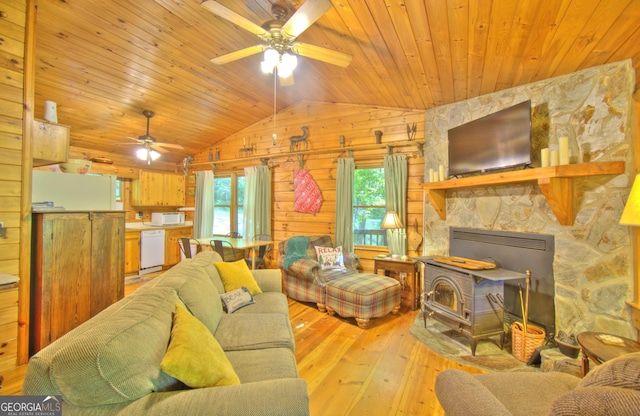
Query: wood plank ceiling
x=104, y=62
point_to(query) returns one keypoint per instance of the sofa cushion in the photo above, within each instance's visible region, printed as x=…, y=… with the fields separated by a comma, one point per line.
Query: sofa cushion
x=236, y=274
x=596, y=401
x=264, y=364
x=254, y=331
x=116, y=357
x=268, y=302
x=194, y=356
x=196, y=291
x=206, y=260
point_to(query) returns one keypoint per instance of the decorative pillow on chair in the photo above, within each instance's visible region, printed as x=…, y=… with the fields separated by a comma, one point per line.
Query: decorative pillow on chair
x=330, y=258
x=237, y=299
x=194, y=356
x=236, y=274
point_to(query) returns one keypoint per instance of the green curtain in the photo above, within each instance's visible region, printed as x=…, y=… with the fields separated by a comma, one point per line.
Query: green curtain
x=203, y=216
x=344, y=204
x=395, y=181
x=257, y=201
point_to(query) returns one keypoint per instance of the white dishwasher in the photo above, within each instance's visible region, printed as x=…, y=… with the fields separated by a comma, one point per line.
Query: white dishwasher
x=151, y=251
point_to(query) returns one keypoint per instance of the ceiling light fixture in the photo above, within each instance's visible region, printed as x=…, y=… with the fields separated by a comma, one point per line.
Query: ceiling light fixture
x=148, y=155
x=284, y=63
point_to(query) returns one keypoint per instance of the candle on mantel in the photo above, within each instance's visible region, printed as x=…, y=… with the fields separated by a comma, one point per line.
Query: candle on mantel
x=544, y=157
x=430, y=175
x=441, y=172
x=244, y=142
x=555, y=159
x=563, y=142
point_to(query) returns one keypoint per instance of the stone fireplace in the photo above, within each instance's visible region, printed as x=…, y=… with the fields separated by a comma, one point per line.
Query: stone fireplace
x=592, y=261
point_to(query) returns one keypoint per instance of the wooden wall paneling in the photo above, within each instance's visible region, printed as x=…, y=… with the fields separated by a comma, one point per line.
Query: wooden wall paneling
x=326, y=122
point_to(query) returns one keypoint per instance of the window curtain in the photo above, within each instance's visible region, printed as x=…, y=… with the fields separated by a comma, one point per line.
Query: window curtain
x=257, y=201
x=203, y=216
x=395, y=181
x=344, y=204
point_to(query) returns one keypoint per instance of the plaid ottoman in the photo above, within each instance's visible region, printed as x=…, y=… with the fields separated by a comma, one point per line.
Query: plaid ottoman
x=363, y=296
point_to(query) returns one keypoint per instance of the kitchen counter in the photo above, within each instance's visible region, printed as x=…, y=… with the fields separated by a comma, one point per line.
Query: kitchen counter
x=139, y=226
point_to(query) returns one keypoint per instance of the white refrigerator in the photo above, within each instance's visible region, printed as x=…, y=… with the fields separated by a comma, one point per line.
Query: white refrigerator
x=75, y=192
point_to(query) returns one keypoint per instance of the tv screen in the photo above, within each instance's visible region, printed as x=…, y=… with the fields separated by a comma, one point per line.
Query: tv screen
x=499, y=140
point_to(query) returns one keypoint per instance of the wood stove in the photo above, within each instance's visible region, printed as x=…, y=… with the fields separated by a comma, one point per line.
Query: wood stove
x=469, y=301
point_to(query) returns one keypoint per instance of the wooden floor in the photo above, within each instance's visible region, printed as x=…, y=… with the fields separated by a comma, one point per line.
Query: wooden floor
x=381, y=370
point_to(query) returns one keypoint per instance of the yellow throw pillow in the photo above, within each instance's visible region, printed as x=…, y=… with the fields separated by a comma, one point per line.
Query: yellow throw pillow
x=236, y=274
x=194, y=356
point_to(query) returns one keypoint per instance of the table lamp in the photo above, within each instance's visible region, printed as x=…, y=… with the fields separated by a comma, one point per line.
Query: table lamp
x=631, y=216
x=391, y=222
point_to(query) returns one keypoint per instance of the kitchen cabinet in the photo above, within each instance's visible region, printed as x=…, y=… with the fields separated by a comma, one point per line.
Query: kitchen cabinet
x=77, y=270
x=132, y=252
x=49, y=143
x=155, y=189
x=171, y=248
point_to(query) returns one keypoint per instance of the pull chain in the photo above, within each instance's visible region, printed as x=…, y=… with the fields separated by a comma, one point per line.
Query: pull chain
x=274, y=137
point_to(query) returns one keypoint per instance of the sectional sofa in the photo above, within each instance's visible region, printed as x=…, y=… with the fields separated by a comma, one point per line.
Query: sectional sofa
x=111, y=364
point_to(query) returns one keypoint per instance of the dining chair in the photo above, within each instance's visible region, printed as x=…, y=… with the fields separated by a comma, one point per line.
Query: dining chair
x=234, y=234
x=186, y=245
x=226, y=250
x=262, y=252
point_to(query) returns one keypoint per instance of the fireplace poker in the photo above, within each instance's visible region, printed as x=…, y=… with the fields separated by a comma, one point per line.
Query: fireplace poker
x=524, y=315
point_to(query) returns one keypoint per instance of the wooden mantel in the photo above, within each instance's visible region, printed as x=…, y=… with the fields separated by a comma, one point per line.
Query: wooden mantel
x=555, y=182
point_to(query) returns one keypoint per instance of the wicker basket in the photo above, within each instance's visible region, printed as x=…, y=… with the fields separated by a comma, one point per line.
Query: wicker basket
x=523, y=345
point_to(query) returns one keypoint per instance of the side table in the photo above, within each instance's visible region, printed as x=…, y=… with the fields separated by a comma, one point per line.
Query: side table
x=599, y=351
x=410, y=267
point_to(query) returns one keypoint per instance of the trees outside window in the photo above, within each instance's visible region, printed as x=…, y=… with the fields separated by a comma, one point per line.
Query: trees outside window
x=228, y=199
x=369, y=207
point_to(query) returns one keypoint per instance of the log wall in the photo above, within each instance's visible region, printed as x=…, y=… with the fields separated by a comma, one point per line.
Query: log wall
x=326, y=123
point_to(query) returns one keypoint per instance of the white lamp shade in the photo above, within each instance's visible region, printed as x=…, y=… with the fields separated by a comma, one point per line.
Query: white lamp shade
x=631, y=212
x=391, y=221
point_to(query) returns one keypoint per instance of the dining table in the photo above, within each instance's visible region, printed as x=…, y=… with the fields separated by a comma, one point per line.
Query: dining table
x=238, y=243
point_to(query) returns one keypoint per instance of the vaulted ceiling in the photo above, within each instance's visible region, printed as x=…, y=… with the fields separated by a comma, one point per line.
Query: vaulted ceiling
x=104, y=62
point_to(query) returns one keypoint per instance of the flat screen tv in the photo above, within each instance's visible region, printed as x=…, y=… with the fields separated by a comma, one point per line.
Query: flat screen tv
x=499, y=140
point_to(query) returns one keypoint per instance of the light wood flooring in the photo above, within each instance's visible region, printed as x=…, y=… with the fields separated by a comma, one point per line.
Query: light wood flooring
x=381, y=370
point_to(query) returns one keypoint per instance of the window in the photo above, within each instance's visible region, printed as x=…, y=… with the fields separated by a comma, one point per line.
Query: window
x=228, y=200
x=369, y=207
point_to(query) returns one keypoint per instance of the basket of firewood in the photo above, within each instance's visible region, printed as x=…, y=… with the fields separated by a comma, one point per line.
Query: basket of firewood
x=525, y=338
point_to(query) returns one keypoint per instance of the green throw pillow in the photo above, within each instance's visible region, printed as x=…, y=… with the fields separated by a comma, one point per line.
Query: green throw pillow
x=194, y=356
x=236, y=274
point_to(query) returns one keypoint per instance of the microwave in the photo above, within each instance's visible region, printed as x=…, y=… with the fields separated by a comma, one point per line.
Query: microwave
x=167, y=218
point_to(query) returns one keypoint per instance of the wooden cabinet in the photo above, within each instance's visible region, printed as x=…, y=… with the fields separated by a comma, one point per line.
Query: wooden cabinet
x=132, y=252
x=153, y=189
x=50, y=143
x=171, y=247
x=8, y=328
x=77, y=270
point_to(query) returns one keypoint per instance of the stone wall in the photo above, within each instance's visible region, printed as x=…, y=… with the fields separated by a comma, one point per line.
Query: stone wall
x=593, y=265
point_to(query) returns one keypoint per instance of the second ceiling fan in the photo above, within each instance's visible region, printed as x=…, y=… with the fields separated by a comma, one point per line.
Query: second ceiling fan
x=279, y=38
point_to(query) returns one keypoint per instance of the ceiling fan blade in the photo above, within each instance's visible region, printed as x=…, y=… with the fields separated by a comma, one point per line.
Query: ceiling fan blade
x=322, y=54
x=309, y=12
x=242, y=53
x=169, y=145
x=158, y=149
x=286, y=81
x=228, y=14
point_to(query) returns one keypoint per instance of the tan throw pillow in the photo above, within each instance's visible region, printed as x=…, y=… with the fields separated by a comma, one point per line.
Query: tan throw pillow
x=236, y=274
x=194, y=356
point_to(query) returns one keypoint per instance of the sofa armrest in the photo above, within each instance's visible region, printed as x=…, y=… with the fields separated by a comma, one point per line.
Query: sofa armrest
x=287, y=396
x=304, y=269
x=461, y=394
x=269, y=280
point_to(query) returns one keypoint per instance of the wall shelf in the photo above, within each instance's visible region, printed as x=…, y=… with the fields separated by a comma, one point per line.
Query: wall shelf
x=555, y=182
x=419, y=144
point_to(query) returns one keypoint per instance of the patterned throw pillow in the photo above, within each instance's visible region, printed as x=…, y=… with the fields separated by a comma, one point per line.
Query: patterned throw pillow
x=237, y=299
x=330, y=258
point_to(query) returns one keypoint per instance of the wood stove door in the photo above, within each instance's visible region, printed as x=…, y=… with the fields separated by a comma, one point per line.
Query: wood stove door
x=444, y=296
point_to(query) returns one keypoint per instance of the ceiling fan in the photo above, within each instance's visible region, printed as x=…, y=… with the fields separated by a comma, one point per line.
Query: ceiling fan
x=152, y=148
x=280, y=36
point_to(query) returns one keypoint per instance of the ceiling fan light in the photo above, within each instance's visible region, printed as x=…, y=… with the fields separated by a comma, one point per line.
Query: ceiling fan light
x=266, y=67
x=291, y=61
x=142, y=154
x=271, y=57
